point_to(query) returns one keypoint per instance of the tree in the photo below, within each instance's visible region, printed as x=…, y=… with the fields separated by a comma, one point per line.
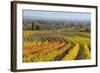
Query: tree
x=33, y=26
x=37, y=27
x=87, y=29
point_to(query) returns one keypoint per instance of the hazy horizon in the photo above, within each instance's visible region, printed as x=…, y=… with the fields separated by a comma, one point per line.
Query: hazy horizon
x=52, y=15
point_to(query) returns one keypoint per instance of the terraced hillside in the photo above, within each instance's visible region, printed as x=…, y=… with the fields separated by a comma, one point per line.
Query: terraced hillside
x=55, y=46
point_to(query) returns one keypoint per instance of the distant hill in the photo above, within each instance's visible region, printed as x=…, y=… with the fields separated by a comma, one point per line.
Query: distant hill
x=48, y=24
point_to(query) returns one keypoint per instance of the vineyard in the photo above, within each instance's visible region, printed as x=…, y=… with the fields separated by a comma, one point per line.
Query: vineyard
x=40, y=46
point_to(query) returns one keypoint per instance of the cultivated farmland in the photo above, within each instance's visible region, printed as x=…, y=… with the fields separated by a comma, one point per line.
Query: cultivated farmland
x=56, y=45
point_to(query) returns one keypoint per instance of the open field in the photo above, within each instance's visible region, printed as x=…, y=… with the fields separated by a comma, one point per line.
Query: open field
x=46, y=45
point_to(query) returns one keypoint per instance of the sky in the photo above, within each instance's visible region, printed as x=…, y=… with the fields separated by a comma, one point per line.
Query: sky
x=53, y=15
